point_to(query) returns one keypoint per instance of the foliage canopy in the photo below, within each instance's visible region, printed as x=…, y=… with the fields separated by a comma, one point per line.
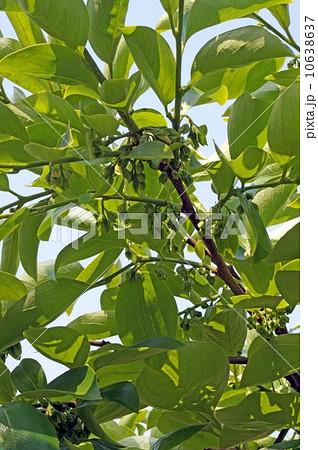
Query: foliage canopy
x=222, y=373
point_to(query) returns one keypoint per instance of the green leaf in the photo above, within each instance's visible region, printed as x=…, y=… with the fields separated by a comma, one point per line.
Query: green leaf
x=248, y=119
x=285, y=77
x=87, y=246
x=281, y=14
x=177, y=437
x=4, y=182
x=46, y=62
x=147, y=117
x=27, y=32
x=11, y=289
x=10, y=253
x=66, y=20
x=28, y=375
x=102, y=124
x=237, y=48
x=151, y=150
x=107, y=16
x=247, y=302
x=7, y=390
x=10, y=124
x=145, y=309
x=259, y=278
x=263, y=245
x=42, y=305
x=44, y=153
x=96, y=325
x=283, y=131
x=272, y=359
x=288, y=284
x=249, y=163
x=154, y=59
x=29, y=244
x=192, y=378
x=61, y=344
x=123, y=393
x=262, y=411
x=222, y=177
x=225, y=328
x=80, y=382
x=205, y=13
x=119, y=93
x=287, y=248
x=8, y=45
x=54, y=107
x=24, y=427
x=170, y=5
x=123, y=60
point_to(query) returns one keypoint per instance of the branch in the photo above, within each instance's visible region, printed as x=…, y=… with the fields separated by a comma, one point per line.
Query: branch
x=188, y=209
x=22, y=200
x=178, y=93
x=281, y=436
x=288, y=40
x=31, y=165
x=98, y=343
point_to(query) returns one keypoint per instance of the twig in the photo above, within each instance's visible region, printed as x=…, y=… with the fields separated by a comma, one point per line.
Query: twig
x=281, y=436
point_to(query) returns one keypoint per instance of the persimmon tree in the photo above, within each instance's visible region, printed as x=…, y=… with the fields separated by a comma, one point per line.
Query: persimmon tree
x=223, y=372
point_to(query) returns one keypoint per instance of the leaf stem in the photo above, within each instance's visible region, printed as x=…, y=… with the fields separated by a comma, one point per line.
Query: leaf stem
x=288, y=40
x=178, y=93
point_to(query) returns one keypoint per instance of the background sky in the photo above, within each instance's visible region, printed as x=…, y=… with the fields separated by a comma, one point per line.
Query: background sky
x=141, y=12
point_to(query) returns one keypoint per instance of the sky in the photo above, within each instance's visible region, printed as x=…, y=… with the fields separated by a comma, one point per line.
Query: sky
x=141, y=12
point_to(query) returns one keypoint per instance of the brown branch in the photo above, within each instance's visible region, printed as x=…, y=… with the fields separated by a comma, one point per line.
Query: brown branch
x=281, y=436
x=188, y=209
x=238, y=359
x=98, y=343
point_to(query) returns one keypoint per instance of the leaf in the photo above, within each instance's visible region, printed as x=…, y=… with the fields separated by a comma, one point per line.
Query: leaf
x=10, y=124
x=148, y=117
x=225, y=328
x=8, y=45
x=27, y=32
x=23, y=427
x=281, y=14
x=205, y=13
x=44, y=153
x=61, y=344
x=123, y=393
x=145, y=309
x=170, y=5
x=285, y=77
x=87, y=246
x=54, y=107
x=66, y=20
x=10, y=253
x=287, y=248
x=271, y=360
x=29, y=244
x=250, y=303
x=283, y=131
x=80, y=382
x=263, y=245
x=151, y=150
x=177, y=437
x=11, y=289
x=102, y=124
x=46, y=62
x=262, y=411
x=154, y=59
x=120, y=93
x=237, y=48
x=288, y=284
x=192, y=378
x=4, y=183
x=249, y=163
x=107, y=16
x=28, y=375
x=248, y=119
x=7, y=390
x=96, y=325
x=259, y=278
x=43, y=304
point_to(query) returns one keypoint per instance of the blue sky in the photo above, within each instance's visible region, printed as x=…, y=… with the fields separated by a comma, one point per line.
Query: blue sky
x=141, y=12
